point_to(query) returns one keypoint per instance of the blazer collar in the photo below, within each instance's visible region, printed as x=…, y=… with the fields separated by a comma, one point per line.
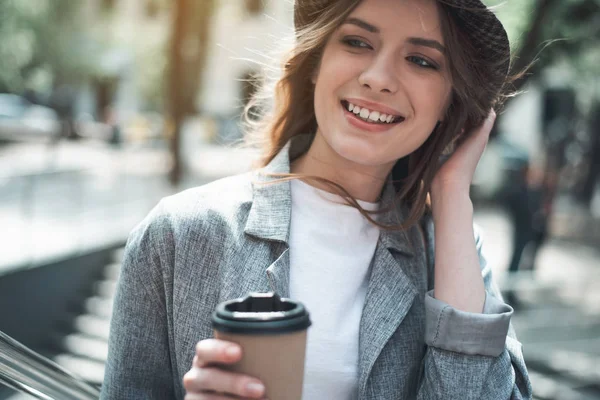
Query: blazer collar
x=270, y=215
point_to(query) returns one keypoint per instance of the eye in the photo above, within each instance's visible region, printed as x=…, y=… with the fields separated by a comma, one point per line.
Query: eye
x=357, y=43
x=422, y=62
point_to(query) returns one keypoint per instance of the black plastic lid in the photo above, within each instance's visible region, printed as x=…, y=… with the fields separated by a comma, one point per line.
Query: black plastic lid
x=260, y=313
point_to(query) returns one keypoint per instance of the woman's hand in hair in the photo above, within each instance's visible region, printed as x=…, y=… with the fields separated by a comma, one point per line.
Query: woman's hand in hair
x=458, y=279
x=206, y=381
x=456, y=174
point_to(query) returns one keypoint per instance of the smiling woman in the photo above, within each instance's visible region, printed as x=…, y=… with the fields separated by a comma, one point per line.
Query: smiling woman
x=417, y=60
x=351, y=201
x=378, y=57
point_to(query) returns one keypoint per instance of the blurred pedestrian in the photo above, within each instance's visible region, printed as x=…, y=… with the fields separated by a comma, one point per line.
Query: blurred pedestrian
x=62, y=100
x=529, y=215
x=110, y=118
x=338, y=217
x=529, y=203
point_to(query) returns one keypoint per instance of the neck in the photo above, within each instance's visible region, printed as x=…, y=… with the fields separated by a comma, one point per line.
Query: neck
x=362, y=182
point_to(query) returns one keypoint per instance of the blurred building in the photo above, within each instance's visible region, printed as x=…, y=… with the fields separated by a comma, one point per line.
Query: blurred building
x=245, y=36
x=129, y=36
x=132, y=39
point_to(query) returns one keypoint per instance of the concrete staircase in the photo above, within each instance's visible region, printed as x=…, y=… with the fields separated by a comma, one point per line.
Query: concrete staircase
x=84, y=350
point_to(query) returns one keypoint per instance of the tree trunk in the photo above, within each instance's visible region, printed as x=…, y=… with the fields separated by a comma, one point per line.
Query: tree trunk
x=175, y=85
x=527, y=53
x=191, y=28
x=530, y=48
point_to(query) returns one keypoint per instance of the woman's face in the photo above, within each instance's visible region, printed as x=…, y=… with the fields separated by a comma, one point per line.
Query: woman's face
x=386, y=58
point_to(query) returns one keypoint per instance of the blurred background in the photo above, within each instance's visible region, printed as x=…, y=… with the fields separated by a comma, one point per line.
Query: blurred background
x=106, y=106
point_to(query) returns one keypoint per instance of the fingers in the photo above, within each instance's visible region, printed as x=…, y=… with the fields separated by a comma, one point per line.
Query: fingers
x=488, y=124
x=211, y=351
x=217, y=380
x=205, y=380
x=486, y=127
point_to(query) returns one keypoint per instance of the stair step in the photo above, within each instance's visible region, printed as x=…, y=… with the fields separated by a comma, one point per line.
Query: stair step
x=88, y=369
x=92, y=326
x=99, y=306
x=112, y=271
x=86, y=346
x=105, y=288
x=117, y=255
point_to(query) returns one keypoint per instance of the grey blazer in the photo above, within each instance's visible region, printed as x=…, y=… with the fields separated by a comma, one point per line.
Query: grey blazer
x=230, y=237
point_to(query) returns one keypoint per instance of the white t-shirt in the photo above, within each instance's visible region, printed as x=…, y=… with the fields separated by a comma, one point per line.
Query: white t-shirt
x=331, y=247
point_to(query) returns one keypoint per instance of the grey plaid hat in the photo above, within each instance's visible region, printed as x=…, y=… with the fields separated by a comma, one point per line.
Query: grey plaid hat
x=486, y=32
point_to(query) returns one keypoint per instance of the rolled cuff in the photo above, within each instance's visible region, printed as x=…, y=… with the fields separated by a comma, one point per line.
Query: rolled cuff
x=463, y=332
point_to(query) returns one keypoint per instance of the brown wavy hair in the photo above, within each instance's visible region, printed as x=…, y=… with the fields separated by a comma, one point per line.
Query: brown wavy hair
x=286, y=108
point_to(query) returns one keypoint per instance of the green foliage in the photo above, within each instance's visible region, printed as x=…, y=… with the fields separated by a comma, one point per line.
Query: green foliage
x=43, y=42
x=575, y=30
x=570, y=31
x=515, y=16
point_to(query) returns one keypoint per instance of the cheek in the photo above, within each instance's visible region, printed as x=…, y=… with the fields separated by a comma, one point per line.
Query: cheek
x=431, y=100
x=331, y=77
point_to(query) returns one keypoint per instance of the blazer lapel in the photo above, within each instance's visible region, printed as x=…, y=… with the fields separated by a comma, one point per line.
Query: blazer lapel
x=270, y=214
x=389, y=298
x=278, y=274
x=391, y=290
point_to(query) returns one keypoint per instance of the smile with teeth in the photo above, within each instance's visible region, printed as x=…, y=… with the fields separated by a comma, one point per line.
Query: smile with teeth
x=374, y=117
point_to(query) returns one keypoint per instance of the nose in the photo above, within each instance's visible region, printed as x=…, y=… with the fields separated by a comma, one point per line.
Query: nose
x=380, y=75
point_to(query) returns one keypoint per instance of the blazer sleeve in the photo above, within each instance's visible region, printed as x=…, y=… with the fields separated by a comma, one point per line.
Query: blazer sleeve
x=139, y=362
x=470, y=355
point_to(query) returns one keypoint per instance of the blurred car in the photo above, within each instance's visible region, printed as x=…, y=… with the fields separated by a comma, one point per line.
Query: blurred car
x=21, y=120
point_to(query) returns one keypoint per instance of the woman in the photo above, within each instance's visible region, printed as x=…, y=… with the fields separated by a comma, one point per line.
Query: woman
x=373, y=95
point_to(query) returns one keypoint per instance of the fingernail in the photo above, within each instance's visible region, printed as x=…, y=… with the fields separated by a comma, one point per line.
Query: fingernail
x=255, y=389
x=232, y=351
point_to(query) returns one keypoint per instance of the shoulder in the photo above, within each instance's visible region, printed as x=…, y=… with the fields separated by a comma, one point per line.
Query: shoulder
x=221, y=197
x=225, y=200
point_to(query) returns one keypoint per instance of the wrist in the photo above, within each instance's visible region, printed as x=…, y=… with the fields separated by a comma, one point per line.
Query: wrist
x=452, y=201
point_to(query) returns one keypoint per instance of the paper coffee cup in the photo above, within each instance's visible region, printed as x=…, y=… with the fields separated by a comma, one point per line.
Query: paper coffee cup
x=272, y=332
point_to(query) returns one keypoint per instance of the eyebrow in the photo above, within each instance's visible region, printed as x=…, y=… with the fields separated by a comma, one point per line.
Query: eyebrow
x=417, y=41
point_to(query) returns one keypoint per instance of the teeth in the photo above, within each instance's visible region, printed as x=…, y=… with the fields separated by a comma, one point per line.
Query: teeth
x=369, y=115
x=374, y=116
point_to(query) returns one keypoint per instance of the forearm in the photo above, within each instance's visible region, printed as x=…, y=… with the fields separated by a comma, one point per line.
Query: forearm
x=470, y=355
x=458, y=281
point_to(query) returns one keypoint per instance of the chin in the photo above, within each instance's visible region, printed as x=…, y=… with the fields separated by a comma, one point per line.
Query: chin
x=360, y=152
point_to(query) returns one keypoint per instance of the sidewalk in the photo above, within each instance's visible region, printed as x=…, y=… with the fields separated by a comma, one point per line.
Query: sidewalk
x=56, y=202
x=559, y=321
x=574, y=223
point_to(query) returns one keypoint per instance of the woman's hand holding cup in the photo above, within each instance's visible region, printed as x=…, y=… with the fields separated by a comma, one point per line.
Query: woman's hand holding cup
x=206, y=381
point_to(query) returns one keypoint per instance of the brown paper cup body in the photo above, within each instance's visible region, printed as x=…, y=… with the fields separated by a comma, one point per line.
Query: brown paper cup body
x=277, y=360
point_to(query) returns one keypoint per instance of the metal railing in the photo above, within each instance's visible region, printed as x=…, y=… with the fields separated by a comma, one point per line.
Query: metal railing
x=29, y=372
